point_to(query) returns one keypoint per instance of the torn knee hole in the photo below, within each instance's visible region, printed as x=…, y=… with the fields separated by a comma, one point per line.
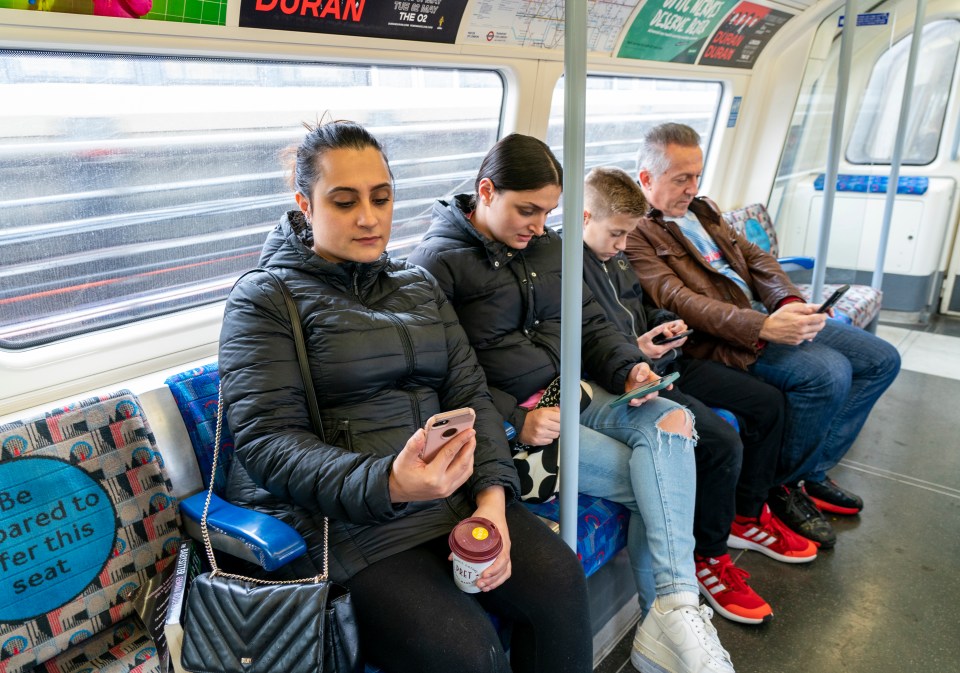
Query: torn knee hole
x=677, y=422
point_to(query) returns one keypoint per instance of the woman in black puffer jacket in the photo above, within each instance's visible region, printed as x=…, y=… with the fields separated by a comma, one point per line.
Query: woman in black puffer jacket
x=386, y=352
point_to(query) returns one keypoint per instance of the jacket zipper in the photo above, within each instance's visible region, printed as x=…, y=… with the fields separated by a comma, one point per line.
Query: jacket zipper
x=344, y=429
x=616, y=298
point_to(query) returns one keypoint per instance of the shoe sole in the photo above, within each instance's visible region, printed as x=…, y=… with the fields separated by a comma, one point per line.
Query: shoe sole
x=645, y=664
x=740, y=543
x=732, y=616
x=825, y=506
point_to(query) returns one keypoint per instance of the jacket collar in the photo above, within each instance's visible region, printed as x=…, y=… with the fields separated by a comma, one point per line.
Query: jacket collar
x=289, y=245
x=498, y=254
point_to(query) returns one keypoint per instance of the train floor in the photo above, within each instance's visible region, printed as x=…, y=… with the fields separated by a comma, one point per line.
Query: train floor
x=884, y=599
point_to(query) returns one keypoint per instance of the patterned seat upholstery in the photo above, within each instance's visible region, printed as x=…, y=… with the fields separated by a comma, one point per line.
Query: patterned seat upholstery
x=87, y=523
x=601, y=528
x=860, y=306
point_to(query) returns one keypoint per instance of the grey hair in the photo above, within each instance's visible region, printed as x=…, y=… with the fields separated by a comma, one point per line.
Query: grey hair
x=652, y=154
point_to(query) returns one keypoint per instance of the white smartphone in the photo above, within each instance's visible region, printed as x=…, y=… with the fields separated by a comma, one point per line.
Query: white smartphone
x=443, y=427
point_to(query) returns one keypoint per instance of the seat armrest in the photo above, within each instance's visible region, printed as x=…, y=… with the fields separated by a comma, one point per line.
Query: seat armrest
x=795, y=263
x=244, y=533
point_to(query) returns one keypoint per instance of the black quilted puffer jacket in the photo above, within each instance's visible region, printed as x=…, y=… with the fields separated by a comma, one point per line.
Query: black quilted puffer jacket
x=509, y=304
x=386, y=352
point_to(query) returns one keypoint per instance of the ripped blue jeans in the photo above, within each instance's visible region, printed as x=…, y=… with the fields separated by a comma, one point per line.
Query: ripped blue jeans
x=625, y=458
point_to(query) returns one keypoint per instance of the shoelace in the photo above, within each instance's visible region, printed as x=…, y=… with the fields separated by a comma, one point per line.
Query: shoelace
x=799, y=501
x=783, y=533
x=732, y=576
x=701, y=617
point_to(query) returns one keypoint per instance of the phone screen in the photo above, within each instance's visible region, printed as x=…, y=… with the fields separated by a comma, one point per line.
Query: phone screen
x=646, y=389
x=834, y=298
x=660, y=339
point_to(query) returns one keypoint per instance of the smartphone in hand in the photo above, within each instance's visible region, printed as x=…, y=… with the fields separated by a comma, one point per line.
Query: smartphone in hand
x=443, y=427
x=833, y=299
x=661, y=339
x=646, y=389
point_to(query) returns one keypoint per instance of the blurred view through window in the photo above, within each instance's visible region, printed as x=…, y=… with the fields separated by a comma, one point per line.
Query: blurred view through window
x=131, y=187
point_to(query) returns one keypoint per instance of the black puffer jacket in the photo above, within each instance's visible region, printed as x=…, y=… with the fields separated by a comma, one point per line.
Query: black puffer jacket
x=386, y=352
x=509, y=305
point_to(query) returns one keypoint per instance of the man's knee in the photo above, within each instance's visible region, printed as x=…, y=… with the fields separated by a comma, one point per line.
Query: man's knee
x=677, y=422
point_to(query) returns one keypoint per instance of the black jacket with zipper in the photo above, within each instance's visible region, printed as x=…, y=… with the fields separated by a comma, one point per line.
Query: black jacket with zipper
x=386, y=352
x=508, y=302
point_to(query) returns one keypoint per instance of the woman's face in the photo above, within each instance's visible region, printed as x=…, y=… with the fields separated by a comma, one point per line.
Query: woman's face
x=351, y=208
x=514, y=217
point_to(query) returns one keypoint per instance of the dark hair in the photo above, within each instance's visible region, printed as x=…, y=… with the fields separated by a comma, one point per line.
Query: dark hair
x=520, y=163
x=652, y=154
x=303, y=162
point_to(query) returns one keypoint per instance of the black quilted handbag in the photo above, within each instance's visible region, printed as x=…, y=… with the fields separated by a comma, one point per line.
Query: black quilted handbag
x=236, y=624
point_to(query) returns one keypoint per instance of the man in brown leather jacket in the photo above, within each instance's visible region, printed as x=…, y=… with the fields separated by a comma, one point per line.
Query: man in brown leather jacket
x=746, y=313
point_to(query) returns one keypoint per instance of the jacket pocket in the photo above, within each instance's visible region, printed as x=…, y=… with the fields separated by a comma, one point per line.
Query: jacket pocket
x=342, y=436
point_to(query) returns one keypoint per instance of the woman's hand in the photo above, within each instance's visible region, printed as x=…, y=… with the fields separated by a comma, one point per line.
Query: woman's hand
x=668, y=329
x=639, y=375
x=541, y=426
x=491, y=504
x=411, y=479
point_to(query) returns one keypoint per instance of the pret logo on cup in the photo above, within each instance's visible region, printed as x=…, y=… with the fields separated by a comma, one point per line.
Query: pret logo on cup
x=475, y=543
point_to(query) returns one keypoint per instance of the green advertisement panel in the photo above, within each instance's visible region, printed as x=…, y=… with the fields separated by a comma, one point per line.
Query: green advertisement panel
x=180, y=11
x=673, y=30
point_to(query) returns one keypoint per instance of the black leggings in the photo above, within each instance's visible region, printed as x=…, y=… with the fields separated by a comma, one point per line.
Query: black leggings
x=412, y=617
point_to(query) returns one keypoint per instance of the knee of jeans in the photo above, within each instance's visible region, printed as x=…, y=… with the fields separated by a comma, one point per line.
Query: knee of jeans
x=677, y=422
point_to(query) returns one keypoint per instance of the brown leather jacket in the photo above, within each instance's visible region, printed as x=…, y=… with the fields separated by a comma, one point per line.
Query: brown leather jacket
x=675, y=277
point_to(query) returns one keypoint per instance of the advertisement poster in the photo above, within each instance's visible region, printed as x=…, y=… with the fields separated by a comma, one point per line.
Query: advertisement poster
x=179, y=11
x=539, y=23
x=424, y=20
x=740, y=39
x=673, y=30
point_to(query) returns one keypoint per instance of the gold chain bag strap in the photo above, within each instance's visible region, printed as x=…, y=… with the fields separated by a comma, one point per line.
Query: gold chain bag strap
x=238, y=624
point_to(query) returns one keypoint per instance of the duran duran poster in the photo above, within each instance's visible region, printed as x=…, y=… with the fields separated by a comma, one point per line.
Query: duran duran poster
x=423, y=20
x=742, y=36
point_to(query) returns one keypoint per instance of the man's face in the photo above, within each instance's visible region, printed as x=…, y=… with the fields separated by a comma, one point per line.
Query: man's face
x=673, y=191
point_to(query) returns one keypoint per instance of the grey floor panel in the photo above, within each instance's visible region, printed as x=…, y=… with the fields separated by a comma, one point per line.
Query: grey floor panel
x=885, y=599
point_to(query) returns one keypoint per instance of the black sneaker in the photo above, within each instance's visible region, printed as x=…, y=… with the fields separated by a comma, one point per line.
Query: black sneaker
x=794, y=508
x=831, y=498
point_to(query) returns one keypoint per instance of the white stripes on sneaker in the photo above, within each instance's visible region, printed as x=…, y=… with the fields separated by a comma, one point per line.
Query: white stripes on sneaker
x=710, y=582
x=759, y=536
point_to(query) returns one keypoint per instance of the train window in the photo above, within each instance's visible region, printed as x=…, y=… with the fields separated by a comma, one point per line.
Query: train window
x=620, y=109
x=875, y=128
x=136, y=186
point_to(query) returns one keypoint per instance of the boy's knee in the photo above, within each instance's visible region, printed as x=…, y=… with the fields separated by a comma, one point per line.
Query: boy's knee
x=677, y=422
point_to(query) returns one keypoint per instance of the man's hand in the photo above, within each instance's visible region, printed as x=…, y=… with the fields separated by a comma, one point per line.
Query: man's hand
x=792, y=324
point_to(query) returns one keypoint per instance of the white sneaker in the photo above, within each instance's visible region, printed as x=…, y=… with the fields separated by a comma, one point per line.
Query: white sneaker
x=681, y=640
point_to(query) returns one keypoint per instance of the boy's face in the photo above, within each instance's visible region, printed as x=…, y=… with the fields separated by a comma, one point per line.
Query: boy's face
x=607, y=236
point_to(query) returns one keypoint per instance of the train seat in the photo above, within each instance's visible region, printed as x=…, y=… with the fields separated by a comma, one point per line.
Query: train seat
x=860, y=306
x=601, y=527
x=88, y=524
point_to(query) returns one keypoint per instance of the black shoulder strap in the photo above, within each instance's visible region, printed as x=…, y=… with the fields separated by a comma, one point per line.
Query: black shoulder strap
x=297, y=328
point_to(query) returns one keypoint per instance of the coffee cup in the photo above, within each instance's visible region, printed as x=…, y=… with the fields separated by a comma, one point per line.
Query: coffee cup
x=475, y=543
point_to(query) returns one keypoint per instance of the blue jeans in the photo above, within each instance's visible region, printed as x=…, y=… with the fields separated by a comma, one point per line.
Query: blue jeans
x=626, y=458
x=830, y=385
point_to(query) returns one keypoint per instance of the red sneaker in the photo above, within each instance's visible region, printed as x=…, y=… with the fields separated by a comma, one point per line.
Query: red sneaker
x=724, y=585
x=768, y=535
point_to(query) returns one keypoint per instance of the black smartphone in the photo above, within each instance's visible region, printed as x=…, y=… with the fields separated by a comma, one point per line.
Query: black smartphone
x=660, y=339
x=834, y=298
x=646, y=389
